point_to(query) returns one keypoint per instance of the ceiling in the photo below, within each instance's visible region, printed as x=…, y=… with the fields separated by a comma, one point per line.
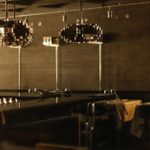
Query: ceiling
x=35, y=6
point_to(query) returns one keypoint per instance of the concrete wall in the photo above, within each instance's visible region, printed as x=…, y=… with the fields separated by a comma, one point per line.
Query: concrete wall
x=125, y=53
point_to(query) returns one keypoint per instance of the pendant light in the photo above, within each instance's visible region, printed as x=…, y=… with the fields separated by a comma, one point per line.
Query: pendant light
x=15, y=32
x=81, y=32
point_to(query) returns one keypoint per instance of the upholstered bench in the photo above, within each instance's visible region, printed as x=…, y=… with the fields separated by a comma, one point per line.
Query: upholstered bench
x=144, y=112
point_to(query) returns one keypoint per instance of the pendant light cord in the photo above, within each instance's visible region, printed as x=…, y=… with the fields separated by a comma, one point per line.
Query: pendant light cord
x=81, y=12
x=6, y=9
x=14, y=8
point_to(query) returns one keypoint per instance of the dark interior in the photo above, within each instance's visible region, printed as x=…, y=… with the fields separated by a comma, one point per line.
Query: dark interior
x=37, y=107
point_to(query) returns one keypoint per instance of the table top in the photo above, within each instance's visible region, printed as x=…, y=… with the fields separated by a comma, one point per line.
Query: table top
x=15, y=100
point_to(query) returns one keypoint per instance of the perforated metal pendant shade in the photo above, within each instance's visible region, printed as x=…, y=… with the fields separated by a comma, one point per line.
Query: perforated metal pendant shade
x=81, y=33
x=15, y=32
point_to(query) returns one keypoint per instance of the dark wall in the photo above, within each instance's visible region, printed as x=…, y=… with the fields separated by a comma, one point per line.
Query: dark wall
x=126, y=59
x=125, y=53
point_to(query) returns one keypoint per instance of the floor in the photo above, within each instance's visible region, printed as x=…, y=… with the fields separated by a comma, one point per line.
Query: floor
x=129, y=144
x=102, y=140
x=10, y=146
